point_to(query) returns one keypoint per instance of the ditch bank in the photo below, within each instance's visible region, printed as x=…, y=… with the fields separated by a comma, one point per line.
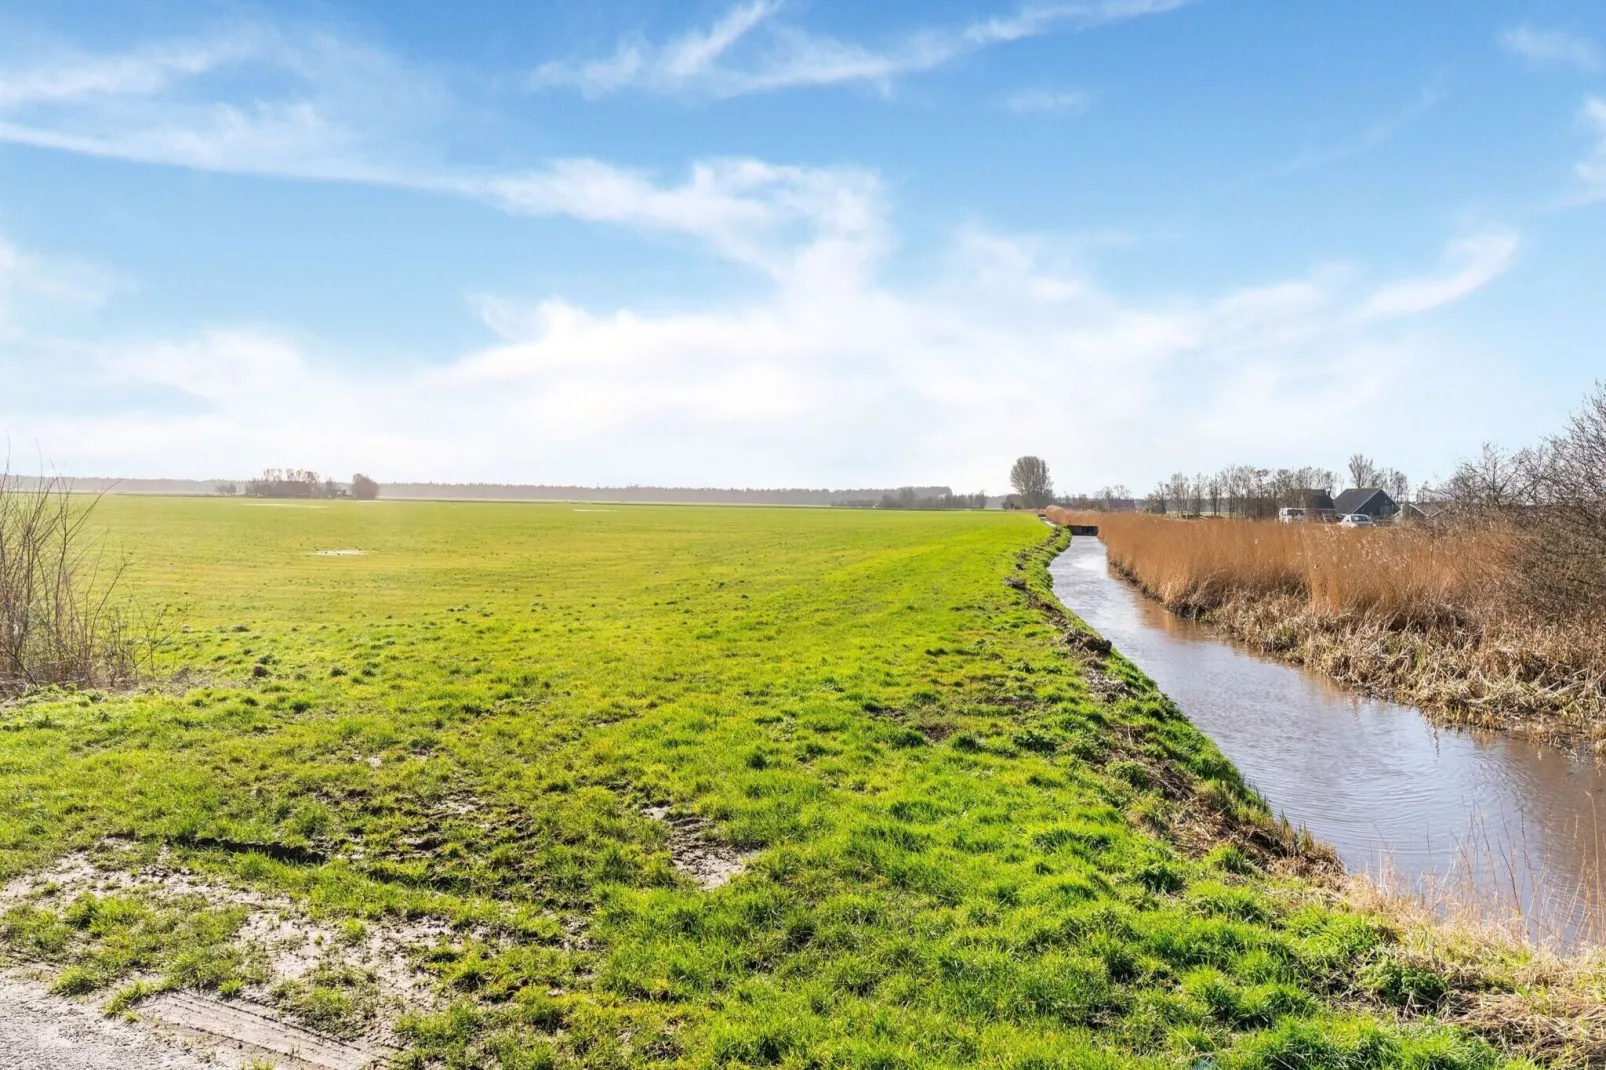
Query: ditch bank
x=1498, y=822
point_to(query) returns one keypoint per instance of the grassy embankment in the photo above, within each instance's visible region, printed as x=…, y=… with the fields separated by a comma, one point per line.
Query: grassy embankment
x=972, y=835
x=1426, y=617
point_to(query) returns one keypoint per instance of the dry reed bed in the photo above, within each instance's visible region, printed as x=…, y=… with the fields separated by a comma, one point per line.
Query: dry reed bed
x=1426, y=617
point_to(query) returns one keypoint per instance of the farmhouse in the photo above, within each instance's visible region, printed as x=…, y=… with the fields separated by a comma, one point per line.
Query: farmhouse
x=1317, y=502
x=1368, y=501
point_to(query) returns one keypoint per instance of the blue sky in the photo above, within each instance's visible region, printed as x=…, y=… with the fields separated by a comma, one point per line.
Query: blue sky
x=796, y=242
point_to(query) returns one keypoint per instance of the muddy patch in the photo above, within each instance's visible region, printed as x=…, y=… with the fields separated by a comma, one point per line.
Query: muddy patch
x=697, y=854
x=300, y=967
x=41, y=1031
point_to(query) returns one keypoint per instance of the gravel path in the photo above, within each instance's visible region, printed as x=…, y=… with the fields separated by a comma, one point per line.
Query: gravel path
x=39, y=1031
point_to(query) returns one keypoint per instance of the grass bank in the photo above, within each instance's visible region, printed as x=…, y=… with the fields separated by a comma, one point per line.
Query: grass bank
x=638, y=786
x=1425, y=617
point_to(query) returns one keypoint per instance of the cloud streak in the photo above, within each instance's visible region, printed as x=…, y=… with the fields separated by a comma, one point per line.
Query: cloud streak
x=311, y=106
x=752, y=50
x=1593, y=168
x=333, y=117
x=1472, y=264
x=1048, y=102
x=1374, y=137
x=1553, y=48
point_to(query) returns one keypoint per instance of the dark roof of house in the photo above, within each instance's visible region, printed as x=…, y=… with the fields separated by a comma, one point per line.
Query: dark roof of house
x=1355, y=500
x=1315, y=498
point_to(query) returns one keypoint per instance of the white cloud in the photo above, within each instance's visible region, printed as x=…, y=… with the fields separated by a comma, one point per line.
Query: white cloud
x=747, y=210
x=820, y=381
x=32, y=287
x=712, y=62
x=309, y=105
x=1553, y=48
x=1049, y=101
x=1473, y=263
x=143, y=72
x=330, y=110
x=1593, y=169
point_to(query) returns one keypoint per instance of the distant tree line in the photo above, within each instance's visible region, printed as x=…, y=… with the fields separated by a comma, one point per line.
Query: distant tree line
x=1243, y=490
x=911, y=498
x=866, y=497
x=301, y=483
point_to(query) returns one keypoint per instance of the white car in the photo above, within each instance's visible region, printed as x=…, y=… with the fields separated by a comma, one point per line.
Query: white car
x=1356, y=520
x=1292, y=514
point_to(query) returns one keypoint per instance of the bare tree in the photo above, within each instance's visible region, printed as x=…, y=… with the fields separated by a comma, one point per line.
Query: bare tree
x=1395, y=483
x=1495, y=481
x=1029, y=476
x=1362, y=472
x=1176, y=492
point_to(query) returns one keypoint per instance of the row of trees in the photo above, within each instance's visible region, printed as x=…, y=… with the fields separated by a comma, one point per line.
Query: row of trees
x=302, y=483
x=1238, y=490
x=911, y=498
x=1242, y=490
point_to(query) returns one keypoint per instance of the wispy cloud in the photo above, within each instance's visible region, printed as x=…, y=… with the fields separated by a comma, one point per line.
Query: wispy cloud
x=32, y=285
x=1553, y=48
x=1593, y=169
x=1049, y=102
x=1472, y=263
x=1375, y=136
x=785, y=221
x=306, y=105
x=331, y=111
x=713, y=62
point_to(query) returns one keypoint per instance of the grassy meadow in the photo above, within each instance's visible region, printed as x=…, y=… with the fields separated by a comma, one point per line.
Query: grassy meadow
x=971, y=836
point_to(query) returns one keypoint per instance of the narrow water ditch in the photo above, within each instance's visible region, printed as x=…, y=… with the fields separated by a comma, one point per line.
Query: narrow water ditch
x=1497, y=823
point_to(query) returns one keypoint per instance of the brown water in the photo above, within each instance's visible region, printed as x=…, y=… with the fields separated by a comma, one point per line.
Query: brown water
x=1502, y=825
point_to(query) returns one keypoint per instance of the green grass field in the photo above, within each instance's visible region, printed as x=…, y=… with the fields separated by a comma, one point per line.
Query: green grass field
x=956, y=853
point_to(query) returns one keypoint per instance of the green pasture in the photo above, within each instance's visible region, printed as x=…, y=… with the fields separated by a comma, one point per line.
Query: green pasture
x=957, y=854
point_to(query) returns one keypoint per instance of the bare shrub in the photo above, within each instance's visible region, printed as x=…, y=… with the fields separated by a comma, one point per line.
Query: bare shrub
x=1566, y=564
x=1554, y=498
x=60, y=619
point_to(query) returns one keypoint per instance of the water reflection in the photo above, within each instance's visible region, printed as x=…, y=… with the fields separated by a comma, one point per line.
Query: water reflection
x=1516, y=822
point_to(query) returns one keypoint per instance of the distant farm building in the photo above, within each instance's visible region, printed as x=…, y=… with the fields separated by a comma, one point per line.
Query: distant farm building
x=1367, y=501
x=1317, y=503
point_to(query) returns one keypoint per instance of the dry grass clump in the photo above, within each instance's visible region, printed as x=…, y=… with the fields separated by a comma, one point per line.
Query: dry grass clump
x=1485, y=973
x=1437, y=618
x=60, y=622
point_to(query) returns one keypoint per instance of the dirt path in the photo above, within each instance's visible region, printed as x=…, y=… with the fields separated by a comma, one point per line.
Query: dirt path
x=39, y=1031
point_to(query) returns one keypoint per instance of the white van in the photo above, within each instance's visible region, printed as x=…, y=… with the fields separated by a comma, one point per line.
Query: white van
x=1292, y=514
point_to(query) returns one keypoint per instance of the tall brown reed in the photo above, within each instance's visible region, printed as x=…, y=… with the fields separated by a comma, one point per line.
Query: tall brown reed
x=1433, y=617
x=1405, y=575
